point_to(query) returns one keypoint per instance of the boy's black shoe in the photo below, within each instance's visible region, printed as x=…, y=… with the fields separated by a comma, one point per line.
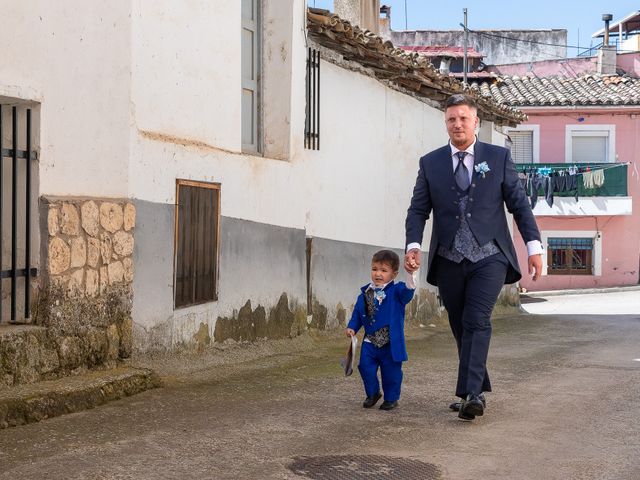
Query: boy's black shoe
x=371, y=401
x=388, y=405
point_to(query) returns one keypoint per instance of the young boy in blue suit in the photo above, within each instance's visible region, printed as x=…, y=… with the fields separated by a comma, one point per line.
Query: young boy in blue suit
x=380, y=310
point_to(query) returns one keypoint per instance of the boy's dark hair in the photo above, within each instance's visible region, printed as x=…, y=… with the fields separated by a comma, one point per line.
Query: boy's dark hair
x=389, y=257
x=460, y=99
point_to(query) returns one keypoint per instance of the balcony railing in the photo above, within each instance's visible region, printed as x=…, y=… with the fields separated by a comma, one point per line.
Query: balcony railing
x=615, y=178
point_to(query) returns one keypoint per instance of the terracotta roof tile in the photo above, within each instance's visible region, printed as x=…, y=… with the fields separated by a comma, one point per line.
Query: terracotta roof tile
x=592, y=89
x=408, y=70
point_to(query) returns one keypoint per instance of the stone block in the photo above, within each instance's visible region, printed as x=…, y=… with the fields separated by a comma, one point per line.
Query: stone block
x=111, y=216
x=123, y=243
x=90, y=218
x=129, y=216
x=78, y=252
x=116, y=272
x=70, y=223
x=106, y=248
x=53, y=222
x=70, y=352
x=127, y=265
x=76, y=283
x=93, y=252
x=59, y=256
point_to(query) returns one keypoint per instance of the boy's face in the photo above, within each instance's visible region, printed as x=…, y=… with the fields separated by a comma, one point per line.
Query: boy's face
x=382, y=273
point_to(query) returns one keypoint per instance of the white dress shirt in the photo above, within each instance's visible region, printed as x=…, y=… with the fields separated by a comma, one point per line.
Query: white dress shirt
x=534, y=247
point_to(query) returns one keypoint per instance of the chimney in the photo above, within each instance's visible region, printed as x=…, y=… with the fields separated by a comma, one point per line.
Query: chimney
x=385, y=20
x=607, y=17
x=606, y=64
x=363, y=13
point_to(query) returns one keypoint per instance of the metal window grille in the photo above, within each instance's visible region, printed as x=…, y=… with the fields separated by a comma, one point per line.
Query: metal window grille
x=570, y=256
x=15, y=197
x=312, y=117
x=197, y=242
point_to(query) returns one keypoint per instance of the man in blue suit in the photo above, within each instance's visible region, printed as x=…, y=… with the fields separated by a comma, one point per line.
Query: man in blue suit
x=466, y=185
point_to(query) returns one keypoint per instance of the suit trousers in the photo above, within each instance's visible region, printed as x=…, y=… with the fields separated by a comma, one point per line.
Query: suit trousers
x=469, y=292
x=372, y=358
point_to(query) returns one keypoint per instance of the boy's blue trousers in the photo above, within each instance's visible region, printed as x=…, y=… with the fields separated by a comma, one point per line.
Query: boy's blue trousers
x=372, y=358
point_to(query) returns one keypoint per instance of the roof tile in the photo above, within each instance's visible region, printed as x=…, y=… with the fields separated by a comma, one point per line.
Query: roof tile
x=591, y=89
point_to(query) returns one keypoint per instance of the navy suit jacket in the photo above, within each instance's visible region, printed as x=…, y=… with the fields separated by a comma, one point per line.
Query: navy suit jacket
x=390, y=311
x=435, y=190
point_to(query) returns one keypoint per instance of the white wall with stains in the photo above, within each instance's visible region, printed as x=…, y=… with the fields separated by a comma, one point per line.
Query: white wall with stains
x=72, y=62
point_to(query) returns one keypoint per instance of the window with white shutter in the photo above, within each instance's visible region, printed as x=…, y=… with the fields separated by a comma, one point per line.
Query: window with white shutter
x=590, y=143
x=521, y=146
x=589, y=147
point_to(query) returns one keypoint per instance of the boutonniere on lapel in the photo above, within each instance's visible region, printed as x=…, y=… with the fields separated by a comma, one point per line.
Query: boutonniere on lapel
x=482, y=169
x=380, y=296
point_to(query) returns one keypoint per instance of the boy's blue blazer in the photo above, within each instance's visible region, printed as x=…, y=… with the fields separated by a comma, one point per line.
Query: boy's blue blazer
x=392, y=309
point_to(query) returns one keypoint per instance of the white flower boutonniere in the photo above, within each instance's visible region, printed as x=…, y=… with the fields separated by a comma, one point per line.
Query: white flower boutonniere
x=482, y=169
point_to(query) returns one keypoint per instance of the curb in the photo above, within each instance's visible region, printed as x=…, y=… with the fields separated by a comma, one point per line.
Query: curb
x=31, y=403
x=581, y=291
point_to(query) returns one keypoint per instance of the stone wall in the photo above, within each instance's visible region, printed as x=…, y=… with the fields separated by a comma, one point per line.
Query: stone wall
x=85, y=289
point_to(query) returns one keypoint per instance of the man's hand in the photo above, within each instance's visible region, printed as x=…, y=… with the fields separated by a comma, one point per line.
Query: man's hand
x=349, y=332
x=412, y=260
x=535, y=266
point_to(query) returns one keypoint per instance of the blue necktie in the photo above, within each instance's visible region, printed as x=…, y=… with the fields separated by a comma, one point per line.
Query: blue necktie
x=462, y=173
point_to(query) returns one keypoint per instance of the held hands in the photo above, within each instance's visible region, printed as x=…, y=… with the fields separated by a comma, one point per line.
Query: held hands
x=349, y=332
x=535, y=266
x=412, y=260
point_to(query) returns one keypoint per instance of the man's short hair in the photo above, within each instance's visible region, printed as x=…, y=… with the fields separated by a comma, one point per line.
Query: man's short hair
x=387, y=256
x=461, y=99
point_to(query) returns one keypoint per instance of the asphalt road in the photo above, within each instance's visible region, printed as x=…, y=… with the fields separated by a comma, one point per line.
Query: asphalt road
x=564, y=406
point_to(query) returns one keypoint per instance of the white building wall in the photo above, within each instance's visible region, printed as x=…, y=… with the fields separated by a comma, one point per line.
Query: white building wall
x=73, y=58
x=186, y=71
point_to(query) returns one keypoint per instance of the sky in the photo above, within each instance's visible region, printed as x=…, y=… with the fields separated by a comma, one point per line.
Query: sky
x=581, y=18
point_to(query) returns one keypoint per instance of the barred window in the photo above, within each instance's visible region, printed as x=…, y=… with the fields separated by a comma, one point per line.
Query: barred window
x=570, y=256
x=197, y=241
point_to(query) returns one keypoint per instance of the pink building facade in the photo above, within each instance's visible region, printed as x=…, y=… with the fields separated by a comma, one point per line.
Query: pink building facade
x=608, y=225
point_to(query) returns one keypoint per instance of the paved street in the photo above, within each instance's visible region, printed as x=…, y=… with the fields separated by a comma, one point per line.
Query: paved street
x=564, y=407
x=622, y=302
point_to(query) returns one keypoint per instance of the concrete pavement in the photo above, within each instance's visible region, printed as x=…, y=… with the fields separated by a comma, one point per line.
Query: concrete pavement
x=564, y=406
x=599, y=302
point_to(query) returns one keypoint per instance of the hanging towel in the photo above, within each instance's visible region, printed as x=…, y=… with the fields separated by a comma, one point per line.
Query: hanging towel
x=587, y=178
x=598, y=177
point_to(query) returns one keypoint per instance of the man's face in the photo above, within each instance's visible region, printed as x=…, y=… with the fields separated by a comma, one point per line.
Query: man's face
x=462, y=121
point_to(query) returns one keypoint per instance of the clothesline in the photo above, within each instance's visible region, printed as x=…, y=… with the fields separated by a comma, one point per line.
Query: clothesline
x=547, y=179
x=567, y=166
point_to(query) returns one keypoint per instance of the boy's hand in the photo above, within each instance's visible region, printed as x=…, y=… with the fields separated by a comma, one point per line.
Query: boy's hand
x=412, y=260
x=349, y=332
